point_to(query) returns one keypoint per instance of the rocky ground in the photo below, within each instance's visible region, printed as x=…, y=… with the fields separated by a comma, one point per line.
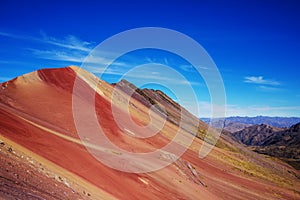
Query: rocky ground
x=21, y=177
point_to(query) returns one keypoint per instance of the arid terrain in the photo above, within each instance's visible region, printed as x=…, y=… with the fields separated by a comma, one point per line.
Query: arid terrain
x=282, y=143
x=43, y=157
x=24, y=177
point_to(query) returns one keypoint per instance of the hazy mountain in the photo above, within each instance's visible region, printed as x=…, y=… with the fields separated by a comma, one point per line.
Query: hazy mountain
x=234, y=124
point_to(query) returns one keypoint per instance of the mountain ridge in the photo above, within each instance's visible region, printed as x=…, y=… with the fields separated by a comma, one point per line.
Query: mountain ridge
x=255, y=135
x=283, y=143
x=36, y=113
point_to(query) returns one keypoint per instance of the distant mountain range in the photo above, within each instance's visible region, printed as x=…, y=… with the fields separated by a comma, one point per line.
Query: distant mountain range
x=233, y=124
x=283, y=143
x=274, y=136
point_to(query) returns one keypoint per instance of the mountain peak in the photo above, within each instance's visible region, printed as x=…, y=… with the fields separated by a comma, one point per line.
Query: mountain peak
x=123, y=83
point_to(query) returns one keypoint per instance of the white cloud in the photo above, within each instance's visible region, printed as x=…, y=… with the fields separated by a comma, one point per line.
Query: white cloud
x=260, y=80
x=58, y=55
x=102, y=69
x=205, y=109
x=12, y=62
x=166, y=61
x=69, y=48
x=187, y=68
x=149, y=60
x=268, y=88
x=190, y=68
x=148, y=73
x=93, y=64
x=15, y=36
x=69, y=42
x=155, y=78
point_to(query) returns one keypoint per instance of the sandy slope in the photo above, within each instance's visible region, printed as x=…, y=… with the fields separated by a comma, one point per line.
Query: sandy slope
x=36, y=113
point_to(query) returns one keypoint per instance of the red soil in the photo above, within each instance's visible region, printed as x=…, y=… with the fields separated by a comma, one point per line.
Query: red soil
x=34, y=105
x=20, y=179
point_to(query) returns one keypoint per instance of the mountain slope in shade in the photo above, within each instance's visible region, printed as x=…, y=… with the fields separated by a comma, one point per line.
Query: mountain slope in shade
x=283, y=143
x=37, y=120
x=255, y=135
x=289, y=137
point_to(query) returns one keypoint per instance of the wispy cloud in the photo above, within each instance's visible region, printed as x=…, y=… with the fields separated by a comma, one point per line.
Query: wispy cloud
x=58, y=55
x=16, y=36
x=67, y=49
x=187, y=68
x=150, y=60
x=166, y=61
x=95, y=64
x=260, y=80
x=72, y=49
x=12, y=62
x=265, y=88
x=69, y=42
x=152, y=78
x=148, y=73
x=190, y=68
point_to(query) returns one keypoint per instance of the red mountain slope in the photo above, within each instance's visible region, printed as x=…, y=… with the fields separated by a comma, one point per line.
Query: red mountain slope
x=37, y=120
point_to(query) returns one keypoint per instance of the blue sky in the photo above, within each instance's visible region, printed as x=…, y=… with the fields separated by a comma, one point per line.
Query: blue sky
x=255, y=45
